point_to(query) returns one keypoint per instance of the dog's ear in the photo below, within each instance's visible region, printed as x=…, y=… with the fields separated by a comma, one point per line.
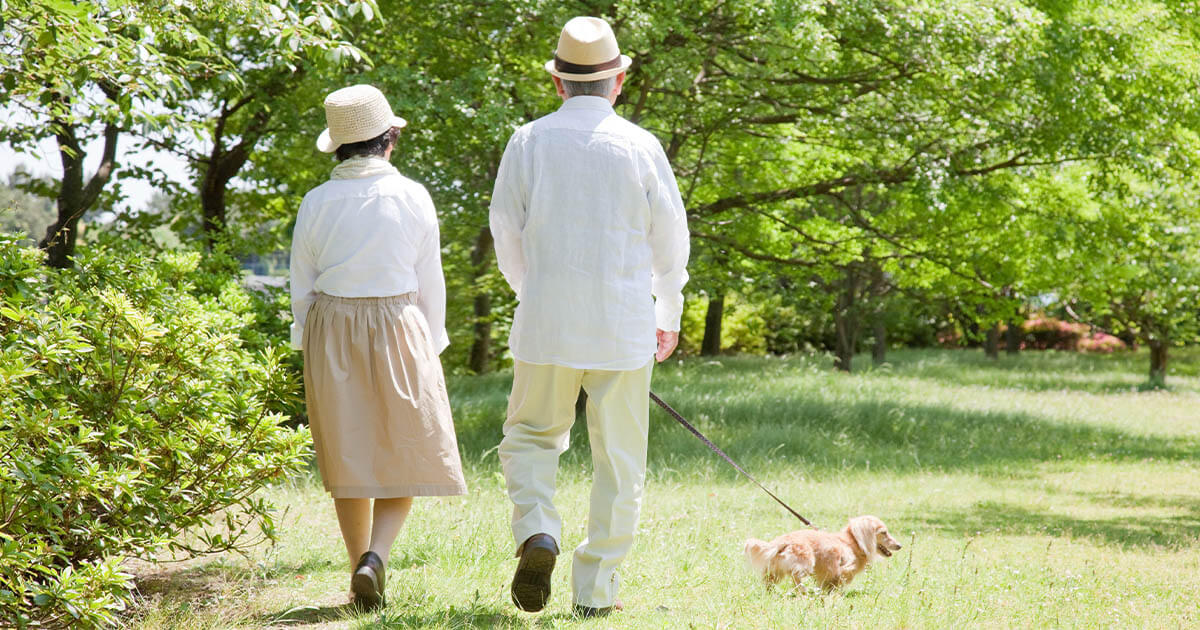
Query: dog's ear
x=862, y=529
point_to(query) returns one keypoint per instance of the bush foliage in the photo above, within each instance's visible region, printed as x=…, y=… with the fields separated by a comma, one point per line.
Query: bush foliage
x=139, y=413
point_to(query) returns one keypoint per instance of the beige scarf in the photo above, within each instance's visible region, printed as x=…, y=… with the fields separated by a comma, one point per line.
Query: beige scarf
x=362, y=166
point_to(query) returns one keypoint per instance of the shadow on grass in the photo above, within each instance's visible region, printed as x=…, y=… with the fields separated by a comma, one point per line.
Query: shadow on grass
x=831, y=435
x=990, y=517
x=1036, y=371
x=281, y=570
x=1127, y=500
x=309, y=615
x=782, y=428
x=1013, y=378
x=469, y=616
x=197, y=587
x=188, y=583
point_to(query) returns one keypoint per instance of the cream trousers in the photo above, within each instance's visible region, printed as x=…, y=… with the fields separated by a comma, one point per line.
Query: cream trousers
x=541, y=411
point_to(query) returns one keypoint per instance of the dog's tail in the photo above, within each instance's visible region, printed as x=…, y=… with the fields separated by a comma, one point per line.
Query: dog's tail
x=759, y=554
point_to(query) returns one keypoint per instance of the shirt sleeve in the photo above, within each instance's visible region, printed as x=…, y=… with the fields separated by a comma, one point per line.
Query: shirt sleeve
x=431, y=283
x=507, y=217
x=669, y=243
x=303, y=275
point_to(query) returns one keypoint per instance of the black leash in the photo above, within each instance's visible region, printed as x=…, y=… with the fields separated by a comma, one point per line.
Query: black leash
x=707, y=442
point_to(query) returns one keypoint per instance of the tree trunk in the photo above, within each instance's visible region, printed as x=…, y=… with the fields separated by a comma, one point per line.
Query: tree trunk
x=1012, y=337
x=481, y=347
x=1158, y=362
x=75, y=198
x=223, y=165
x=212, y=203
x=845, y=319
x=847, y=340
x=711, y=345
x=879, y=349
x=991, y=344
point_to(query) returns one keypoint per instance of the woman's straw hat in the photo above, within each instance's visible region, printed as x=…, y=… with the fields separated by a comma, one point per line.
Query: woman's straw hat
x=354, y=114
x=587, y=51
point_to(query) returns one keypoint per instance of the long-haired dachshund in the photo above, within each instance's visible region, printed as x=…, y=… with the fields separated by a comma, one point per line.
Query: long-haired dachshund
x=833, y=559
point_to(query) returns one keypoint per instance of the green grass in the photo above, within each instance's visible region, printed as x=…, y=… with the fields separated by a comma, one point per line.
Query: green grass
x=1045, y=490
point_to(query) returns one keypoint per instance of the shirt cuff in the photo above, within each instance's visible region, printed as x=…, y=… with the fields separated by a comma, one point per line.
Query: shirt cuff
x=297, y=337
x=441, y=343
x=668, y=311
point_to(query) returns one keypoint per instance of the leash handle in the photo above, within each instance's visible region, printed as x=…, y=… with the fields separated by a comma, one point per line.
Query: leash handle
x=696, y=432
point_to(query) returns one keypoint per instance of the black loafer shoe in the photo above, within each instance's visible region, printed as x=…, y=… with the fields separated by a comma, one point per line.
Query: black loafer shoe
x=531, y=582
x=368, y=581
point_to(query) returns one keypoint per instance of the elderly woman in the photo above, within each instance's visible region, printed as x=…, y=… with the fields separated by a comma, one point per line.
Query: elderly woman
x=369, y=302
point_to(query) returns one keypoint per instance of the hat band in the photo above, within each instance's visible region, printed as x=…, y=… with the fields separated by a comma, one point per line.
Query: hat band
x=575, y=68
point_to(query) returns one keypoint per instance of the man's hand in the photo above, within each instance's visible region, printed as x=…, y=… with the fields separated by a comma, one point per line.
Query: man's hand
x=667, y=340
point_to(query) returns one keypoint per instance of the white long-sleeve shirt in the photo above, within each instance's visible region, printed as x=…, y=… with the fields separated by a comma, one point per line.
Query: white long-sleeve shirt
x=591, y=234
x=373, y=236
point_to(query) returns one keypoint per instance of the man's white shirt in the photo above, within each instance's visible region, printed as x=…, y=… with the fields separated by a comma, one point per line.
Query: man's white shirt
x=589, y=225
x=368, y=237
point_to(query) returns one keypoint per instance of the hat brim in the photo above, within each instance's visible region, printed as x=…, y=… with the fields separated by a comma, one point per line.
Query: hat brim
x=594, y=76
x=325, y=143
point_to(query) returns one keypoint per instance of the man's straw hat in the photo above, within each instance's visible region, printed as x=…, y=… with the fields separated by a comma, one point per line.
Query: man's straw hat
x=587, y=51
x=354, y=114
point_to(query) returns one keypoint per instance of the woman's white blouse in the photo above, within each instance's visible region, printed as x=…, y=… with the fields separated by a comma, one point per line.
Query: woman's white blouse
x=368, y=237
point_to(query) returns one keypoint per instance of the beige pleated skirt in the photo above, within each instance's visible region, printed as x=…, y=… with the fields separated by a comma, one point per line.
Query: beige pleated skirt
x=377, y=402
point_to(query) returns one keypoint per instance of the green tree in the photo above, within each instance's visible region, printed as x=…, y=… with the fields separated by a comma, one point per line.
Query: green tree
x=867, y=146
x=1139, y=258
x=267, y=85
x=82, y=70
x=823, y=134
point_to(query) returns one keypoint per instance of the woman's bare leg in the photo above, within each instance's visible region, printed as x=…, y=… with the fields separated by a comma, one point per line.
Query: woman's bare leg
x=354, y=519
x=389, y=518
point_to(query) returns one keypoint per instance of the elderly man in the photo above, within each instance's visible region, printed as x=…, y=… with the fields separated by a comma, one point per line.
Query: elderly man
x=591, y=234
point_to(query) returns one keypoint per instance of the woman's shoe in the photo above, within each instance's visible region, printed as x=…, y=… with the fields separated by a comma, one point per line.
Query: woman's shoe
x=368, y=581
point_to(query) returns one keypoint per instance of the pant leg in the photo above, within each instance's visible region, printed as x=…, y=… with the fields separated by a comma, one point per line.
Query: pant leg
x=618, y=416
x=541, y=411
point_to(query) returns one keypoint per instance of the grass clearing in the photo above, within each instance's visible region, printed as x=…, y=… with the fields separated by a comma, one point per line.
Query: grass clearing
x=1044, y=490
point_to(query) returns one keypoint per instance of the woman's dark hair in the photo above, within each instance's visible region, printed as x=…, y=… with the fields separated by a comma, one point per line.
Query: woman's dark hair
x=375, y=146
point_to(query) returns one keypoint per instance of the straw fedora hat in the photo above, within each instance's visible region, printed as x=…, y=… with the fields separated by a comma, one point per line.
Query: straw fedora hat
x=354, y=114
x=587, y=51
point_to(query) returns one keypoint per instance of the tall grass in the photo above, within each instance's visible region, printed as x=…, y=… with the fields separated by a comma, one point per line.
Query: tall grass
x=1045, y=490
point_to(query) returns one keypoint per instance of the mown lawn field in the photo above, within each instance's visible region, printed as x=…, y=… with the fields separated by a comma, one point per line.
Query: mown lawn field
x=1046, y=490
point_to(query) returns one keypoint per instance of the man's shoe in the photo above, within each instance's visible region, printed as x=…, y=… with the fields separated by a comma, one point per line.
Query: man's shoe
x=368, y=581
x=531, y=582
x=587, y=612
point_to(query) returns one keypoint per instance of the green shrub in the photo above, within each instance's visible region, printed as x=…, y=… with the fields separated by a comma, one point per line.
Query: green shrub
x=139, y=413
x=742, y=325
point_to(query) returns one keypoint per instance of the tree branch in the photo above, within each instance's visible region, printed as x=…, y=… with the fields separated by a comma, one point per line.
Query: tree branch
x=745, y=251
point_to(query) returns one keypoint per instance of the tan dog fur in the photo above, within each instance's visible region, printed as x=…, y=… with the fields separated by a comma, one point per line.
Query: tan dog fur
x=833, y=559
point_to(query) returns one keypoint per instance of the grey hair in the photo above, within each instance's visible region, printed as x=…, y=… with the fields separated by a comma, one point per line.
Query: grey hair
x=601, y=87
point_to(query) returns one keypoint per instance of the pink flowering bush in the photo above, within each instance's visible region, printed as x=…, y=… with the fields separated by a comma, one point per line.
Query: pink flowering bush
x=1048, y=333
x=1103, y=343
x=949, y=338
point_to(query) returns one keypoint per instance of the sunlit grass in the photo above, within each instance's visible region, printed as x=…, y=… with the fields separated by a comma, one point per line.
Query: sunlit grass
x=1044, y=490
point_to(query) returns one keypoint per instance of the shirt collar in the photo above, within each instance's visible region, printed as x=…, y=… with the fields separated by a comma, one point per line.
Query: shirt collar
x=597, y=103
